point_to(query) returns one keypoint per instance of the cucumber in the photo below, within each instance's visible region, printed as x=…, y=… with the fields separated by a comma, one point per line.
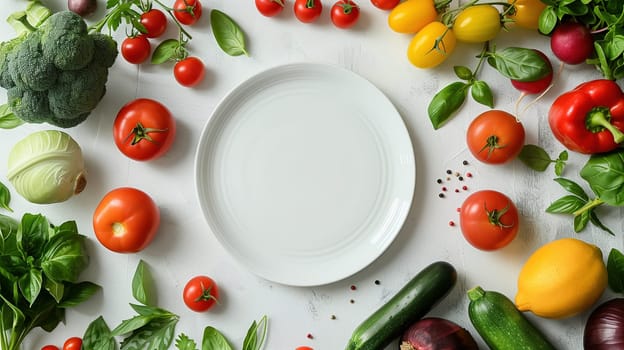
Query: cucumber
x=501, y=325
x=409, y=305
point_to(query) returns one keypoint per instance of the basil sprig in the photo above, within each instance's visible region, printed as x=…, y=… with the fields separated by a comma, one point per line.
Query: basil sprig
x=538, y=159
x=227, y=33
x=40, y=264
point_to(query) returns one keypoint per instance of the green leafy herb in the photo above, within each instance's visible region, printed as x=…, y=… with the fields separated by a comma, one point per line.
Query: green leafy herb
x=39, y=267
x=98, y=336
x=519, y=63
x=615, y=269
x=167, y=50
x=214, y=340
x=183, y=342
x=252, y=341
x=142, y=284
x=228, y=34
x=8, y=120
x=605, y=175
x=538, y=159
x=5, y=197
x=446, y=102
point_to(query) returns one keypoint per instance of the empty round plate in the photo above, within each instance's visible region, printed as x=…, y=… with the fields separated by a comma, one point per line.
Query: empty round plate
x=305, y=173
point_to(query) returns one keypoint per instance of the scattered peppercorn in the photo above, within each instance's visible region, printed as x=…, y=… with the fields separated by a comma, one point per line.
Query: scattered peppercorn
x=441, y=195
x=439, y=181
x=451, y=223
x=310, y=336
x=449, y=172
x=469, y=174
x=333, y=317
x=377, y=282
x=465, y=188
x=444, y=189
x=461, y=178
x=352, y=301
x=465, y=162
x=353, y=287
x=457, y=190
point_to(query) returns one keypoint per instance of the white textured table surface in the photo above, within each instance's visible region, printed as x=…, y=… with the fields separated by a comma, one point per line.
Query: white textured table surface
x=185, y=246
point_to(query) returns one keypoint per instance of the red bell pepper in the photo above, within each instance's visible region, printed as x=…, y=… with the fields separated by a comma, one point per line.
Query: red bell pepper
x=590, y=118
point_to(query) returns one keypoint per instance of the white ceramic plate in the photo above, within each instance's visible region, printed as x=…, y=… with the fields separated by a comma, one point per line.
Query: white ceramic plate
x=305, y=173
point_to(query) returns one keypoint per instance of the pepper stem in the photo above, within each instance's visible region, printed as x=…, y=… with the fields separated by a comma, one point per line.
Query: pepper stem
x=598, y=119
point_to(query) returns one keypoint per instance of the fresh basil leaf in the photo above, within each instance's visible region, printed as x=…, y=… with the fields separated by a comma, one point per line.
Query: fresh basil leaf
x=560, y=163
x=446, y=102
x=142, y=284
x=66, y=227
x=30, y=285
x=593, y=218
x=534, y=157
x=463, y=73
x=8, y=120
x=519, y=63
x=547, y=20
x=132, y=324
x=605, y=175
x=581, y=220
x=572, y=187
x=76, y=293
x=214, y=340
x=183, y=342
x=65, y=257
x=151, y=311
x=98, y=336
x=5, y=197
x=615, y=270
x=165, y=51
x=565, y=205
x=228, y=34
x=482, y=93
x=18, y=317
x=33, y=234
x=8, y=236
x=156, y=335
x=56, y=289
x=252, y=342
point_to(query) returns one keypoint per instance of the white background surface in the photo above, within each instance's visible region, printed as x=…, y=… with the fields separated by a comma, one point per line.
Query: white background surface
x=185, y=246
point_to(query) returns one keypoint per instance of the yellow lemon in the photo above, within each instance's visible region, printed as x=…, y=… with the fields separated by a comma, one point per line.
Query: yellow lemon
x=561, y=279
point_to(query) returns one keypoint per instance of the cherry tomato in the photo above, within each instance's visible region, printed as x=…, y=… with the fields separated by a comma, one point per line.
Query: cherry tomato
x=270, y=8
x=537, y=86
x=526, y=13
x=488, y=220
x=200, y=293
x=385, y=4
x=189, y=71
x=304, y=348
x=477, y=24
x=412, y=16
x=187, y=11
x=50, y=347
x=136, y=49
x=345, y=13
x=421, y=51
x=308, y=11
x=155, y=22
x=73, y=343
x=126, y=220
x=495, y=137
x=144, y=129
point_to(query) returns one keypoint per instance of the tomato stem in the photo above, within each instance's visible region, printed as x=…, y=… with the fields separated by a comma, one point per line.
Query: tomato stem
x=139, y=132
x=494, y=216
x=491, y=144
x=206, y=294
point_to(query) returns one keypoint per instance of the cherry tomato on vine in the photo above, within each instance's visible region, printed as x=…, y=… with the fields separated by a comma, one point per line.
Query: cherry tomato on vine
x=489, y=220
x=477, y=24
x=495, y=137
x=345, y=13
x=526, y=13
x=50, y=347
x=411, y=16
x=73, y=343
x=136, y=49
x=419, y=51
x=270, y=8
x=126, y=220
x=308, y=11
x=536, y=86
x=187, y=11
x=155, y=22
x=189, y=72
x=385, y=4
x=144, y=129
x=200, y=293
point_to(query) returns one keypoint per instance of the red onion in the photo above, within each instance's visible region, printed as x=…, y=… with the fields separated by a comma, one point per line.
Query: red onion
x=604, y=329
x=434, y=333
x=82, y=7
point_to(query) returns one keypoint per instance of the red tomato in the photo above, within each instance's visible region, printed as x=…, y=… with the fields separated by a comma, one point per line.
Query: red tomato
x=488, y=220
x=345, y=13
x=270, y=8
x=50, y=347
x=126, y=220
x=385, y=4
x=189, y=71
x=136, y=49
x=308, y=11
x=144, y=129
x=495, y=137
x=73, y=343
x=537, y=86
x=155, y=22
x=187, y=11
x=304, y=348
x=200, y=293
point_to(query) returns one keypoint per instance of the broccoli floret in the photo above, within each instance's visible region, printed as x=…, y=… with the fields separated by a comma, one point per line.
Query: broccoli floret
x=30, y=68
x=56, y=73
x=66, y=41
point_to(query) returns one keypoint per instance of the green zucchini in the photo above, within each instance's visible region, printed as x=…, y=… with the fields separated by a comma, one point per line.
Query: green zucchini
x=409, y=305
x=501, y=325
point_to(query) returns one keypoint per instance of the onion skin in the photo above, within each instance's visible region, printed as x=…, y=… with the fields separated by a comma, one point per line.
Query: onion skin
x=433, y=333
x=604, y=329
x=82, y=7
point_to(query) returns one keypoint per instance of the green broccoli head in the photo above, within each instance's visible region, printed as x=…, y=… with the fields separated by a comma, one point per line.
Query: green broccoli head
x=5, y=50
x=105, y=49
x=29, y=67
x=31, y=106
x=65, y=40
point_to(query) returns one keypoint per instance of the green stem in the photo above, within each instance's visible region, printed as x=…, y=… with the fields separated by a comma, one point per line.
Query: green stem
x=588, y=206
x=475, y=293
x=599, y=118
x=169, y=11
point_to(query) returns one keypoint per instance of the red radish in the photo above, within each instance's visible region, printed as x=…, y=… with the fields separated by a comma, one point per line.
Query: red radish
x=536, y=86
x=572, y=42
